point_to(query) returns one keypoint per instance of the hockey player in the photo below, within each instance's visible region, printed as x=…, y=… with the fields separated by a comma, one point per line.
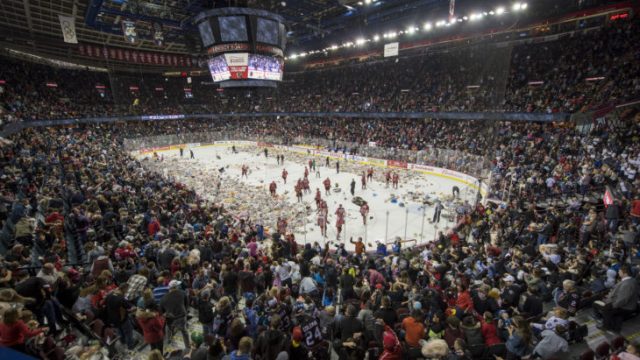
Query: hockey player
x=318, y=197
x=396, y=180
x=363, y=181
x=387, y=178
x=272, y=188
x=245, y=171
x=305, y=185
x=370, y=174
x=340, y=213
x=364, y=211
x=327, y=186
x=284, y=175
x=298, y=190
x=322, y=221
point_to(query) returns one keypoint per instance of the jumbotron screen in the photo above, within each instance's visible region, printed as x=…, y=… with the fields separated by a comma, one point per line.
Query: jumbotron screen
x=240, y=66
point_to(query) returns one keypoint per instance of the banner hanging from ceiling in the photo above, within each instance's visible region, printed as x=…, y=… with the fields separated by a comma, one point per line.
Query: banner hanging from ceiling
x=135, y=56
x=129, y=31
x=68, y=27
x=158, y=34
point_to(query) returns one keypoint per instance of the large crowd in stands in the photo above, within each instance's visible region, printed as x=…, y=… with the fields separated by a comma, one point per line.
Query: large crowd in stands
x=101, y=258
x=482, y=78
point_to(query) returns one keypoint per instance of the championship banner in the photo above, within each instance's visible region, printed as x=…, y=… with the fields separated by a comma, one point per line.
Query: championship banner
x=68, y=27
x=158, y=34
x=134, y=56
x=129, y=31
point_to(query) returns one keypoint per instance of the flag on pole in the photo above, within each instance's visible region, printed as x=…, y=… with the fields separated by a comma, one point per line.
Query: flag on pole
x=68, y=26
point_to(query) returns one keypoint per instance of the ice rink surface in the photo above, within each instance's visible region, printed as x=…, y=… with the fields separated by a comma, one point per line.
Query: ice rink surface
x=406, y=218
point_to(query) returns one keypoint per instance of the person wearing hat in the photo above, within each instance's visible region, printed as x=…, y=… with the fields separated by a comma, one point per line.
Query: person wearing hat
x=297, y=349
x=510, y=292
x=174, y=307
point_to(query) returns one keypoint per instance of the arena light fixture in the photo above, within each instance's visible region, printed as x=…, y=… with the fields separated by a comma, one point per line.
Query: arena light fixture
x=334, y=47
x=376, y=37
x=499, y=10
x=427, y=26
x=440, y=23
x=410, y=30
x=360, y=41
x=523, y=6
x=367, y=2
x=465, y=18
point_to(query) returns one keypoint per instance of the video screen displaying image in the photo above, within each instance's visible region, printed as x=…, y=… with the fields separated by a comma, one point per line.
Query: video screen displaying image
x=267, y=31
x=219, y=69
x=233, y=28
x=262, y=67
x=205, y=33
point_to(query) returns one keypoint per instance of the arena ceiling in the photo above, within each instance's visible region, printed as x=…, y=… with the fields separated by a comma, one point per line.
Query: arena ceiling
x=33, y=26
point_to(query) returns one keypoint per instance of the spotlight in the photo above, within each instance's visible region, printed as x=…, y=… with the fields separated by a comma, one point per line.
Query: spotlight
x=523, y=6
x=516, y=7
x=360, y=41
x=367, y=2
x=376, y=37
x=440, y=23
x=427, y=26
x=410, y=30
x=500, y=10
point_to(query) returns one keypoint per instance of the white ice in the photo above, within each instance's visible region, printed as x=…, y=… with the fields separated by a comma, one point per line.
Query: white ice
x=388, y=220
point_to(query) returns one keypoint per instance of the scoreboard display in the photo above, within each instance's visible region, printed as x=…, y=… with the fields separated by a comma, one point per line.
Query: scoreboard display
x=245, y=47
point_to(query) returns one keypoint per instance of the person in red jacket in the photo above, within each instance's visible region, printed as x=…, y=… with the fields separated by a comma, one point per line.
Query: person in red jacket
x=153, y=227
x=14, y=332
x=391, y=344
x=152, y=324
x=489, y=330
x=464, y=302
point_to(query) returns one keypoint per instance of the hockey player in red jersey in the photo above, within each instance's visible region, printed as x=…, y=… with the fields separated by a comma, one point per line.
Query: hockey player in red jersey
x=363, y=180
x=340, y=213
x=327, y=186
x=318, y=197
x=272, y=188
x=370, y=174
x=387, y=178
x=323, y=221
x=298, y=190
x=396, y=180
x=245, y=171
x=284, y=175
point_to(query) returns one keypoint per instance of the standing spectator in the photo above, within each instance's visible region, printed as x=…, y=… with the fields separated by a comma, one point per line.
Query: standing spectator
x=174, y=306
x=152, y=325
x=117, y=308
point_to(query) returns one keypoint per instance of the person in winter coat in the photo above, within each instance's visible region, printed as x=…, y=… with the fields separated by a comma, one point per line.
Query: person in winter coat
x=271, y=342
x=489, y=330
x=472, y=331
x=14, y=332
x=152, y=324
x=452, y=331
x=392, y=349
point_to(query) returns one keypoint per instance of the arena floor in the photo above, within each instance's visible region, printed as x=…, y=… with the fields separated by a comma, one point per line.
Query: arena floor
x=213, y=164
